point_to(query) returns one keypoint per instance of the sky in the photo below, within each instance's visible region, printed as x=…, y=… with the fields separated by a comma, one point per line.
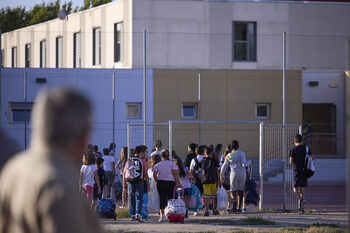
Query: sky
x=30, y=3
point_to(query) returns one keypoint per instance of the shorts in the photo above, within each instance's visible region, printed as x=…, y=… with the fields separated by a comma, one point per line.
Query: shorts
x=95, y=195
x=88, y=191
x=187, y=193
x=110, y=177
x=299, y=179
x=210, y=190
x=237, y=182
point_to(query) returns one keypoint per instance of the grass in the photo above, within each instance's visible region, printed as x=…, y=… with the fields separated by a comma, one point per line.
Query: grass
x=314, y=228
x=273, y=211
x=256, y=221
x=311, y=211
x=122, y=213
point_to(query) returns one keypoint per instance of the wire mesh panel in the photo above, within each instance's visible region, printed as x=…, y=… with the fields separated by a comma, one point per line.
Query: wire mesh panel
x=277, y=169
x=154, y=131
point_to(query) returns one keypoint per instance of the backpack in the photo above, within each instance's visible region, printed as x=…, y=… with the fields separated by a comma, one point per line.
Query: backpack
x=106, y=209
x=308, y=173
x=209, y=175
x=133, y=174
x=252, y=197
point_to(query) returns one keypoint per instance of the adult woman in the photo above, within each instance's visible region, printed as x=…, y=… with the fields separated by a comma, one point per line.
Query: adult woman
x=165, y=173
x=237, y=162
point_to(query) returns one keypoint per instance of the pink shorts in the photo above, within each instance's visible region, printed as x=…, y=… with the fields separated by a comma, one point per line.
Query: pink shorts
x=88, y=191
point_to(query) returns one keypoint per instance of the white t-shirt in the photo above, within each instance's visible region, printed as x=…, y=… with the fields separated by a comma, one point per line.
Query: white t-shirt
x=193, y=162
x=88, y=174
x=107, y=163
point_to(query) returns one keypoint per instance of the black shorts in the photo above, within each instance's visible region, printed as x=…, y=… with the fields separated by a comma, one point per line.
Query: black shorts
x=299, y=179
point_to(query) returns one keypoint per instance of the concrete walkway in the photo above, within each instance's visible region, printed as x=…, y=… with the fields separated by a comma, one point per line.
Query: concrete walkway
x=227, y=223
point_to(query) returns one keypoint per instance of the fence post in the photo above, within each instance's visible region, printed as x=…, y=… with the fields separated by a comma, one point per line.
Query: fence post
x=171, y=139
x=113, y=98
x=284, y=123
x=199, y=108
x=128, y=138
x=25, y=109
x=261, y=163
x=144, y=87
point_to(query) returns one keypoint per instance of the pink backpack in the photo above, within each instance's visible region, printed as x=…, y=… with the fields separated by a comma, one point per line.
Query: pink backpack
x=133, y=173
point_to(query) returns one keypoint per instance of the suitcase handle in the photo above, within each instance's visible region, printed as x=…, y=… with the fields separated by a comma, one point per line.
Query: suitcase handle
x=182, y=197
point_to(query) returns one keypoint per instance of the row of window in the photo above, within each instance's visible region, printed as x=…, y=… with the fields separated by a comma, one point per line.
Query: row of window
x=244, y=46
x=96, y=49
x=19, y=112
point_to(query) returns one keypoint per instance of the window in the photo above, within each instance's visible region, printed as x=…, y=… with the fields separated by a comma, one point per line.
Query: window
x=76, y=50
x=27, y=55
x=19, y=111
x=117, y=41
x=96, y=46
x=244, y=41
x=59, y=55
x=133, y=110
x=43, y=54
x=14, y=57
x=189, y=110
x=262, y=111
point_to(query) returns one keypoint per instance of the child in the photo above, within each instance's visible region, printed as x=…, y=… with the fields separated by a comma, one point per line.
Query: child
x=210, y=178
x=88, y=173
x=185, y=178
x=103, y=181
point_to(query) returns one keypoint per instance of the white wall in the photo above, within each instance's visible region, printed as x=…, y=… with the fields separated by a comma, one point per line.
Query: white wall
x=198, y=34
x=97, y=85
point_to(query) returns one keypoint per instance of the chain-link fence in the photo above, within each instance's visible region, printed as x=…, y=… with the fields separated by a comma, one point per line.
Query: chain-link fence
x=105, y=48
x=189, y=77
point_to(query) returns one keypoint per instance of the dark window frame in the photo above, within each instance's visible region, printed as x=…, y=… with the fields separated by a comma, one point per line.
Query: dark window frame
x=41, y=54
x=117, y=45
x=13, y=57
x=27, y=54
x=254, y=59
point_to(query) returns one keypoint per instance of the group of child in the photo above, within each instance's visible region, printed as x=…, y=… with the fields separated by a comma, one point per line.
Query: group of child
x=153, y=180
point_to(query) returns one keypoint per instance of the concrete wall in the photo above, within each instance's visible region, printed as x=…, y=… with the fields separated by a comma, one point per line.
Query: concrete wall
x=226, y=95
x=197, y=34
x=103, y=17
x=97, y=85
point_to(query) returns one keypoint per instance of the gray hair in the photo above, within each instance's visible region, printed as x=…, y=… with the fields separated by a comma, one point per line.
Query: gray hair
x=60, y=117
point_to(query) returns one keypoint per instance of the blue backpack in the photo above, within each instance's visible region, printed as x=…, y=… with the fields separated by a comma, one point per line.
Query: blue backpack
x=106, y=209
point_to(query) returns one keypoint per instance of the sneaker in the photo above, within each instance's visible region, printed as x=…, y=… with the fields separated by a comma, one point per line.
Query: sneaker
x=161, y=219
x=301, y=212
x=133, y=218
x=186, y=214
x=195, y=213
x=239, y=211
x=138, y=218
x=244, y=210
x=215, y=212
x=206, y=213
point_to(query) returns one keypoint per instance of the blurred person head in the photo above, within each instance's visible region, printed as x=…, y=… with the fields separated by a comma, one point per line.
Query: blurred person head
x=153, y=160
x=157, y=144
x=180, y=165
x=95, y=148
x=192, y=148
x=208, y=151
x=298, y=139
x=61, y=120
x=123, y=153
x=200, y=150
x=165, y=154
x=235, y=145
x=105, y=151
x=99, y=161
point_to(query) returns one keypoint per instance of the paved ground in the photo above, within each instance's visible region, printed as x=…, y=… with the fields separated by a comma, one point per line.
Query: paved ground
x=327, y=201
x=227, y=223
